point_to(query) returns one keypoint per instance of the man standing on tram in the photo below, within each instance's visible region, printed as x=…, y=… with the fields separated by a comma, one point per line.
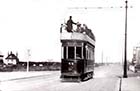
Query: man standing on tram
x=69, y=24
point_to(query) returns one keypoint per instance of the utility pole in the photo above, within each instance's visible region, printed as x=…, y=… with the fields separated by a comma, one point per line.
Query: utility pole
x=28, y=52
x=102, y=57
x=125, y=44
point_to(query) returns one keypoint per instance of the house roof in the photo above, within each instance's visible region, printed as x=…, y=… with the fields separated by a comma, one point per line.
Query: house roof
x=11, y=56
x=1, y=55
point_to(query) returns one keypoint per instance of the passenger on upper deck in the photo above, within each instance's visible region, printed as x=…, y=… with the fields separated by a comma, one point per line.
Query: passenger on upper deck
x=69, y=24
x=61, y=28
x=79, y=28
x=87, y=31
x=84, y=28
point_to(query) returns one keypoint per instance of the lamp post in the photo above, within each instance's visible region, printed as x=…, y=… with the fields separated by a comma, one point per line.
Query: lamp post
x=125, y=45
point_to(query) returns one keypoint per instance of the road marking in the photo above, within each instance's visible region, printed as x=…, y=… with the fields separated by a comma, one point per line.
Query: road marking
x=120, y=84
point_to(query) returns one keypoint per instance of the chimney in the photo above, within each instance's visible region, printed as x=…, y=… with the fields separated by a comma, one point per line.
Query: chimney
x=11, y=52
x=8, y=53
x=16, y=54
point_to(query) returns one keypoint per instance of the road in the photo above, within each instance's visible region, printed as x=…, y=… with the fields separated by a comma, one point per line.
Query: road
x=106, y=78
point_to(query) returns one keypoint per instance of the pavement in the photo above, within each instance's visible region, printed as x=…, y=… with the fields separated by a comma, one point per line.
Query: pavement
x=7, y=76
x=124, y=84
x=130, y=84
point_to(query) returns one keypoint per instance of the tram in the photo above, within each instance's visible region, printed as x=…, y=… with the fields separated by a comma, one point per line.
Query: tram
x=77, y=56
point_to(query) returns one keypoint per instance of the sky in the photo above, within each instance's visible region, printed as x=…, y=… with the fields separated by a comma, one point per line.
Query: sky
x=35, y=25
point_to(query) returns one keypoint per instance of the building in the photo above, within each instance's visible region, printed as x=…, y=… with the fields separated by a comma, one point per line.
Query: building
x=11, y=59
x=1, y=59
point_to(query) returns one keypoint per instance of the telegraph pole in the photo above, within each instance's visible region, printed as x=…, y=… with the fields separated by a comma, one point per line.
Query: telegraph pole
x=125, y=44
x=28, y=51
x=102, y=56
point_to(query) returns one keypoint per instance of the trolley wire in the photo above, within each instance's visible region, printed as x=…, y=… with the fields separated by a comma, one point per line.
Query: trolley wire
x=99, y=7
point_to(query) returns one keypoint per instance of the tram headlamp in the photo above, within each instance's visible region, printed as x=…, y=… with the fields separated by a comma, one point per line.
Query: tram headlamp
x=71, y=63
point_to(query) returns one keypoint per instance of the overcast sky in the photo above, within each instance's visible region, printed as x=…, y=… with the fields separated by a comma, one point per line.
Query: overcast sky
x=35, y=24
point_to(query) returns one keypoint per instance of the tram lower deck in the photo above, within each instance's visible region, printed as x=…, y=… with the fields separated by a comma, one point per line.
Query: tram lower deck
x=77, y=60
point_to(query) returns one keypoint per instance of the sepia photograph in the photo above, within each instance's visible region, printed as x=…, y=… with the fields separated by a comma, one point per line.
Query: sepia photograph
x=69, y=45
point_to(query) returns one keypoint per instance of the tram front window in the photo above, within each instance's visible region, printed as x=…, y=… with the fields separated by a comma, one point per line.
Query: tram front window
x=70, y=52
x=64, y=53
x=78, y=52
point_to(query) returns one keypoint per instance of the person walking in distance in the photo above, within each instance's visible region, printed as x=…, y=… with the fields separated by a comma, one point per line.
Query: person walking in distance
x=69, y=24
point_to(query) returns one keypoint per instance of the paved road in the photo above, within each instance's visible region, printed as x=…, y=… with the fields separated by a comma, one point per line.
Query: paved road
x=109, y=71
x=106, y=78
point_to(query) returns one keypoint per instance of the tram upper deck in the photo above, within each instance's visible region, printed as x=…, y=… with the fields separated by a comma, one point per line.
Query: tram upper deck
x=81, y=33
x=77, y=36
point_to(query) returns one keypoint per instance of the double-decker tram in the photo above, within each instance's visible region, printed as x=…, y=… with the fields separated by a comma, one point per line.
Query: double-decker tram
x=77, y=51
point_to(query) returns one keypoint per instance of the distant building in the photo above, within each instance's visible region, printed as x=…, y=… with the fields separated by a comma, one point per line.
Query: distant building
x=1, y=59
x=11, y=59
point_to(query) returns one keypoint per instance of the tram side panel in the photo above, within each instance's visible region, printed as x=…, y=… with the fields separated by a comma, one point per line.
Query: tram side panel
x=87, y=63
x=89, y=59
